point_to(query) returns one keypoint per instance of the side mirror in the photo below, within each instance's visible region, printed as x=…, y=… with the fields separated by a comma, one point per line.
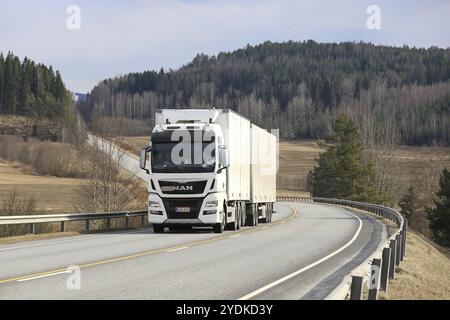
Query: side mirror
x=143, y=159
x=224, y=158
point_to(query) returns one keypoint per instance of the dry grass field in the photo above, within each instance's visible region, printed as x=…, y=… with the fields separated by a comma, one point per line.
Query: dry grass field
x=52, y=193
x=423, y=274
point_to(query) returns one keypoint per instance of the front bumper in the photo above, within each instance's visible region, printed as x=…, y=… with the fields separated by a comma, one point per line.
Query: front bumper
x=164, y=210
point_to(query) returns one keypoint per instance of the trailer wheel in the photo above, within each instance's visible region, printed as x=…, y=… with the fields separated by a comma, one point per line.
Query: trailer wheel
x=158, y=228
x=239, y=216
x=243, y=214
x=252, y=218
x=269, y=213
x=268, y=217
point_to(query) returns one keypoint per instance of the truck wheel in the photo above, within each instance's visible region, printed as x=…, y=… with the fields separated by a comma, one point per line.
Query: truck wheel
x=268, y=217
x=252, y=218
x=238, y=216
x=243, y=214
x=219, y=227
x=233, y=225
x=158, y=228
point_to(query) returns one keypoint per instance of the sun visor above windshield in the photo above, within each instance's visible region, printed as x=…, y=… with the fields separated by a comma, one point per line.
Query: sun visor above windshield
x=182, y=135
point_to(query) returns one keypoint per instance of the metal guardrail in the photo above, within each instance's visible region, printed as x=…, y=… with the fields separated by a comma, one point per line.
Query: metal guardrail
x=62, y=218
x=379, y=268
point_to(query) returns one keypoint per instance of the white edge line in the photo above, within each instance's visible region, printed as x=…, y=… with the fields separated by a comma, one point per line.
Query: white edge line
x=44, y=276
x=296, y=273
x=234, y=236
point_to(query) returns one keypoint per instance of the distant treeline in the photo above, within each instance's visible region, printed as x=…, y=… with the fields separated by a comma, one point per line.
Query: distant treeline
x=300, y=87
x=34, y=90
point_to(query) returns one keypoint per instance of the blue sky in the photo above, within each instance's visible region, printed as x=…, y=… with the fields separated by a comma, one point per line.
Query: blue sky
x=122, y=36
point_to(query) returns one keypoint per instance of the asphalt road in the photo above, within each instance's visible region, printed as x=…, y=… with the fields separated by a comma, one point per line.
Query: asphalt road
x=303, y=254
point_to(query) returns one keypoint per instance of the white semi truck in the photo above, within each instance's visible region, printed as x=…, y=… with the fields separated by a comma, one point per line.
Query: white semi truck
x=209, y=167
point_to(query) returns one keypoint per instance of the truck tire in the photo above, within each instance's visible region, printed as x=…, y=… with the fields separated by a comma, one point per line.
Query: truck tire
x=269, y=213
x=252, y=218
x=158, y=228
x=239, y=216
x=219, y=227
x=243, y=214
x=233, y=225
x=268, y=218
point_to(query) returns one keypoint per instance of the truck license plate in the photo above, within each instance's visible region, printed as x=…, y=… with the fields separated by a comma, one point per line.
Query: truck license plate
x=182, y=209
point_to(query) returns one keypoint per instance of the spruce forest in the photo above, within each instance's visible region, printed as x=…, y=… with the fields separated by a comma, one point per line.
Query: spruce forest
x=36, y=92
x=399, y=95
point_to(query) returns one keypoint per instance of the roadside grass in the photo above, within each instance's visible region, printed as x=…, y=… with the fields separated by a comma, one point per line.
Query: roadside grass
x=423, y=274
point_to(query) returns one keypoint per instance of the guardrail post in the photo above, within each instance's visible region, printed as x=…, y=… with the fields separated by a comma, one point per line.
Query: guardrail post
x=126, y=222
x=385, y=269
x=393, y=247
x=62, y=226
x=142, y=220
x=87, y=225
x=374, y=285
x=108, y=224
x=33, y=228
x=398, y=241
x=405, y=227
x=356, y=288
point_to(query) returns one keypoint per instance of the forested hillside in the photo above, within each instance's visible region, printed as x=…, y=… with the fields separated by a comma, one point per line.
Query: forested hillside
x=36, y=92
x=400, y=94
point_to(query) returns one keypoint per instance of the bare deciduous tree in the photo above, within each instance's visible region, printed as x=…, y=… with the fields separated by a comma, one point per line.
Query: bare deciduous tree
x=109, y=187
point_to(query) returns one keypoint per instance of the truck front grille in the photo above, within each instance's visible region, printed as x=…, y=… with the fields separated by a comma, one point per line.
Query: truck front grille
x=183, y=208
x=192, y=187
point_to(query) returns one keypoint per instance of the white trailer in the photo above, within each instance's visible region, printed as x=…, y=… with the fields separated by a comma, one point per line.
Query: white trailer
x=209, y=168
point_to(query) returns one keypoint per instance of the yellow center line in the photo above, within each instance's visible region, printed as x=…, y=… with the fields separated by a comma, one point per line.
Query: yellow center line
x=176, y=249
x=146, y=253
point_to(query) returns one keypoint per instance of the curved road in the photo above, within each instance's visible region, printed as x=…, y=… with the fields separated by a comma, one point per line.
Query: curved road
x=303, y=254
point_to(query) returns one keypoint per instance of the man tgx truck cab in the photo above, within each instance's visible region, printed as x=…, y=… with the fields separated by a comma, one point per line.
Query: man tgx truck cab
x=209, y=168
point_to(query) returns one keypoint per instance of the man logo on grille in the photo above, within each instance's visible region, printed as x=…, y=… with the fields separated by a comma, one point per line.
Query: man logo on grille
x=177, y=188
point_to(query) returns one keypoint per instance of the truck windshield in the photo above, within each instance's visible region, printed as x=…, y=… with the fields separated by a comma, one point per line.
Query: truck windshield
x=171, y=157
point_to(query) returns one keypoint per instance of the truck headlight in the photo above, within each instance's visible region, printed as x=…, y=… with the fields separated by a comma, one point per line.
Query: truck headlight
x=211, y=204
x=153, y=204
x=209, y=212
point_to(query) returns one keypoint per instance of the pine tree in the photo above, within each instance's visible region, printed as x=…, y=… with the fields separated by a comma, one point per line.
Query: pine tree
x=342, y=171
x=408, y=203
x=439, y=216
x=2, y=68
